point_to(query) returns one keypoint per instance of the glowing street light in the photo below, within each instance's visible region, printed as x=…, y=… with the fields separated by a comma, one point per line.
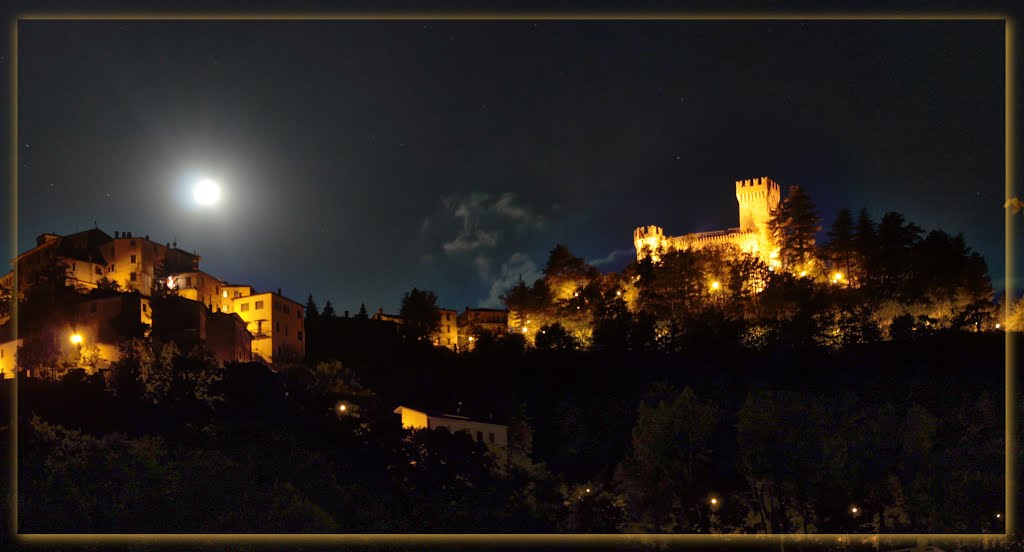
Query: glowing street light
x=803, y=273
x=714, y=501
x=342, y=408
x=837, y=277
x=715, y=285
x=854, y=510
x=76, y=338
x=999, y=516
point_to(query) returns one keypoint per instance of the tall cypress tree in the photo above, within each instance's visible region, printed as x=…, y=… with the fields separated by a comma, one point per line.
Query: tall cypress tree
x=865, y=246
x=840, y=246
x=312, y=313
x=793, y=227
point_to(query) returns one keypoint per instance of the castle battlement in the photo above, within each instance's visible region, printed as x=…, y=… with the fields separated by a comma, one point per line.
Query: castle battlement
x=756, y=198
x=644, y=232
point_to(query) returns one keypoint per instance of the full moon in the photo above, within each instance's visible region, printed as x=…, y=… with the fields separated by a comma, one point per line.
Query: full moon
x=206, y=192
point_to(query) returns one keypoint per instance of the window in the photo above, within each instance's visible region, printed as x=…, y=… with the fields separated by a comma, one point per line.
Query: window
x=188, y=281
x=99, y=271
x=277, y=326
x=298, y=314
x=133, y=245
x=225, y=293
x=133, y=259
x=286, y=330
x=479, y=436
x=133, y=276
x=490, y=437
x=259, y=305
x=74, y=267
x=245, y=307
x=300, y=335
x=143, y=307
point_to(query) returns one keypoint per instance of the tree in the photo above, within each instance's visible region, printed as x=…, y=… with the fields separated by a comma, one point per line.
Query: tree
x=841, y=243
x=660, y=478
x=793, y=226
x=362, y=315
x=865, y=246
x=421, y=315
x=554, y=337
x=328, y=312
x=312, y=313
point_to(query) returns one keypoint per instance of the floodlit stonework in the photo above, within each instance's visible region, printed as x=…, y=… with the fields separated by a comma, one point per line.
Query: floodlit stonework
x=757, y=198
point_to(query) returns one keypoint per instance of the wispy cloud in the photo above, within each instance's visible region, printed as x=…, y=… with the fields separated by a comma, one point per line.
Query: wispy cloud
x=507, y=207
x=519, y=265
x=482, y=219
x=609, y=258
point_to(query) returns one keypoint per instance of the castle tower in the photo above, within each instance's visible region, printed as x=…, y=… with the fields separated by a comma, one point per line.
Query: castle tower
x=648, y=241
x=757, y=198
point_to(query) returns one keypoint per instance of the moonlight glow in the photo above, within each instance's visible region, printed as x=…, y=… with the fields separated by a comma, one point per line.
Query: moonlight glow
x=206, y=192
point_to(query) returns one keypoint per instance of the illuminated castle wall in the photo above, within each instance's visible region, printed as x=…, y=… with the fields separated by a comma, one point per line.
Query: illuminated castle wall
x=756, y=197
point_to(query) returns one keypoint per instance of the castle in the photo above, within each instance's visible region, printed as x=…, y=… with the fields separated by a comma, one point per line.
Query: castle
x=757, y=199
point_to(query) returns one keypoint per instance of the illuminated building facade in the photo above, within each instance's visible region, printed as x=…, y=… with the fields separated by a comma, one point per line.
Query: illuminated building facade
x=757, y=198
x=495, y=436
x=255, y=326
x=277, y=324
x=473, y=321
x=447, y=334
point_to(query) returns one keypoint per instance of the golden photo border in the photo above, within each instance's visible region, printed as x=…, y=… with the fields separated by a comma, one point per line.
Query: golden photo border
x=1010, y=177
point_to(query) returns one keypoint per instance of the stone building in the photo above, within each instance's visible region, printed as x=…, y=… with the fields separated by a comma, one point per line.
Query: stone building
x=757, y=198
x=473, y=321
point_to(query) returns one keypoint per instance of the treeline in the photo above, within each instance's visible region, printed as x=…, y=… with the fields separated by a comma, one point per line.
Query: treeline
x=870, y=282
x=168, y=441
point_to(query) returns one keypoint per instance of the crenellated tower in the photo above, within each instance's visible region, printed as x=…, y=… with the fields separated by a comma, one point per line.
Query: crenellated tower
x=757, y=198
x=648, y=241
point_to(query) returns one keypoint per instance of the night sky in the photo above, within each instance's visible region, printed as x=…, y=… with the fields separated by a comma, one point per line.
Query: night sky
x=360, y=159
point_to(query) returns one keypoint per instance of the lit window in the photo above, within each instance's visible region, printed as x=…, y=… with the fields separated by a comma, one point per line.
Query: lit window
x=225, y=293
x=245, y=307
x=259, y=305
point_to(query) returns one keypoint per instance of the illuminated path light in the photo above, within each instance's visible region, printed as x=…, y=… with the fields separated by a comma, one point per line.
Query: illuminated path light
x=206, y=192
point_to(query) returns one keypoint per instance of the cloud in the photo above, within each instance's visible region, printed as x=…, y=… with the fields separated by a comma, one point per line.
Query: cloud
x=481, y=218
x=607, y=259
x=506, y=207
x=519, y=265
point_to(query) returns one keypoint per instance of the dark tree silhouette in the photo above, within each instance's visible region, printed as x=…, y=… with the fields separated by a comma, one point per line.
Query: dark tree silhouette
x=793, y=226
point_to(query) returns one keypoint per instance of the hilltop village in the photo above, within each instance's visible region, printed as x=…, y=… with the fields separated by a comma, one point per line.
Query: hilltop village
x=557, y=413
x=116, y=279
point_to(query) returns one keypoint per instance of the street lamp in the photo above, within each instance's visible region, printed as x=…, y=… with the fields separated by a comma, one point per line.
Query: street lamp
x=715, y=285
x=76, y=339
